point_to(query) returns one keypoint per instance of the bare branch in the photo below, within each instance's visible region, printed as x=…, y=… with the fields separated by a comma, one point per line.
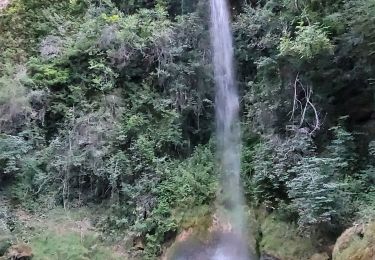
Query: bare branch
x=304, y=104
x=317, y=121
x=295, y=97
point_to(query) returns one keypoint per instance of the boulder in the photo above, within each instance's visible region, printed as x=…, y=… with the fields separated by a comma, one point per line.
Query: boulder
x=320, y=256
x=356, y=243
x=20, y=252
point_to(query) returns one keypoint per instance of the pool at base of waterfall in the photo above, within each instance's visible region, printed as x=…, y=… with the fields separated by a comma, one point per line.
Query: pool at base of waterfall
x=219, y=246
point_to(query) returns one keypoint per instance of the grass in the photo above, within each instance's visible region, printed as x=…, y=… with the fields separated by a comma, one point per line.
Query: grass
x=53, y=246
x=64, y=234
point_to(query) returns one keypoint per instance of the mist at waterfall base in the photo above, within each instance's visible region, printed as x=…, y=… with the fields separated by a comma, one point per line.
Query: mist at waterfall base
x=228, y=135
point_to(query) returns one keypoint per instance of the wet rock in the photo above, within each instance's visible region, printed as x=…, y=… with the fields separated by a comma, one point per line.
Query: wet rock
x=268, y=257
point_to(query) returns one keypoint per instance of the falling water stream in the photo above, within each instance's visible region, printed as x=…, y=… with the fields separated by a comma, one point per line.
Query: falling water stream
x=230, y=237
x=228, y=133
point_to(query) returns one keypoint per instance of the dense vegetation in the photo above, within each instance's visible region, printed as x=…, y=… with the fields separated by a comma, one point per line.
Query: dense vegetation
x=111, y=104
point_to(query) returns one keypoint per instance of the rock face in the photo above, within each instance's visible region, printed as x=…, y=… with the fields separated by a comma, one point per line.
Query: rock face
x=356, y=243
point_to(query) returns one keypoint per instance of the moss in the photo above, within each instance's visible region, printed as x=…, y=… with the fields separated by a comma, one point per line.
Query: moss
x=282, y=240
x=199, y=218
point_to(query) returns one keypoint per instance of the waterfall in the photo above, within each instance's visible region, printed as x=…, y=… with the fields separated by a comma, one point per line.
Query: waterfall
x=228, y=131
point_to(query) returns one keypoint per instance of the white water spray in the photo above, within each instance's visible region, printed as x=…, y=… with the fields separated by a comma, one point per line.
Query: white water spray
x=228, y=131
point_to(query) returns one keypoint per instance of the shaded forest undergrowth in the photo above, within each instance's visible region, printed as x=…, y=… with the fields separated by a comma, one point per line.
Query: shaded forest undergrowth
x=57, y=234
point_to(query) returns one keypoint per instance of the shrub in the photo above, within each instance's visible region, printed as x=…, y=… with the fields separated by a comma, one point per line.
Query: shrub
x=310, y=41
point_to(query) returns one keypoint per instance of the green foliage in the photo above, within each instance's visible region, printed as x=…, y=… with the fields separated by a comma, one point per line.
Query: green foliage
x=112, y=102
x=362, y=186
x=291, y=53
x=310, y=41
x=257, y=29
x=13, y=150
x=313, y=185
x=181, y=197
x=319, y=190
x=119, y=117
x=185, y=187
x=49, y=74
x=192, y=182
x=359, y=17
x=366, y=204
x=22, y=29
x=342, y=150
x=273, y=160
x=316, y=195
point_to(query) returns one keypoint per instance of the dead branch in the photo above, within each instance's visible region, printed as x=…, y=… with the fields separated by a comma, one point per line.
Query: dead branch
x=304, y=105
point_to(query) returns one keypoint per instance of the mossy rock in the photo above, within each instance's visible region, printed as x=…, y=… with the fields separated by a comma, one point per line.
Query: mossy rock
x=198, y=218
x=356, y=243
